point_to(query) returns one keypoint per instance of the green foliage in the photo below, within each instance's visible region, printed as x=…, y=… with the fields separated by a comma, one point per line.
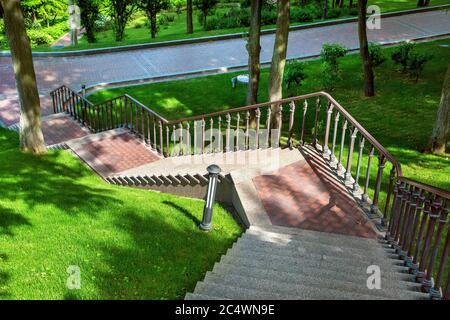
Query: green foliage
x=39, y=37
x=294, y=73
x=416, y=63
x=334, y=13
x=233, y=18
x=44, y=9
x=268, y=15
x=330, y=72
x=205, y=7
x=301, y=15
x=376, y=54
x=103, y=22
x=400, y=54
x=89, y=12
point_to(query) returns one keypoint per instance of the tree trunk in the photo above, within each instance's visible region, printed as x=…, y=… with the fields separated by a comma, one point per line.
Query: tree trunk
x=189, y=26
x=73, y=29
x=439, y=137
x=31, y=138
x=350, y=4
x=369, y=86
x=153, y=25
x=279, y=59
x=254, y=49
x=325, y=9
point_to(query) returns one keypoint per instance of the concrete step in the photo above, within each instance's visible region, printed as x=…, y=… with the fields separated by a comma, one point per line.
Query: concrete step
x=322, y=262
x=305, y=248
x=325, y=270
x=234, y=293
x=195, y=296
x=336, y=240
x=393, y=290
x=244, y=288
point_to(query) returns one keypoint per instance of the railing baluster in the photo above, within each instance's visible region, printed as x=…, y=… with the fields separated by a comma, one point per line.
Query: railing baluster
x=333, y=147
x=348, y=170
x=168, y=141
x=339, y=167
x=257, y=117
x=302, y=133
x=413, y=233
x=423, y=263
x=219, y=143
x=358, y=164
x=247, y=127
x=407, y=196
x=376, y=195
x=203, y=135
x=180, y=132
x=211, y=135
x=325, y=150
x=365, y=195
x=411, y=215
x=269, y=115
x=425, y=208
x=280, y=123
x=436, y=290
x=291, y=123
x=174, y=139
x=427, y=284
x=161, y=138
x=187, y=138
x=316, y=120
x=388, y=196
x=238, y=123
x=390, y=235
x=154, y=144
x=149, y=136
x=227, y=139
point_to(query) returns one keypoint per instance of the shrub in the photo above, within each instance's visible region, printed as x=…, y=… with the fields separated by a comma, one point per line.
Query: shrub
x=416, y=63
x=2, y=26
x=376, y=54
x=328, y=77
x=301, y=15
x=332, y=52
x=163, y=20
x=400, y=54
x=39, y=37
x=334, y=13
x=294, y=73
x=268, y=16
x=103, y=22
x=213, y=23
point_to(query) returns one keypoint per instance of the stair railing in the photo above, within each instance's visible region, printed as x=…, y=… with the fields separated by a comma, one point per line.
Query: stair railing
x=413, y=214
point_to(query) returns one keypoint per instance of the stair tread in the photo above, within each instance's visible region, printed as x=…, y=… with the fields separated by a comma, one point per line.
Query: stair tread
x=196, y=296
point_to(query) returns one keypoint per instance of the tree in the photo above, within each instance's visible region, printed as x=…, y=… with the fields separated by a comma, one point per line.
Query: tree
x=423, y=3
x=44, y=9
x=189, y=25
x=89, y=12
x=439, y=136
x=279, y=59
x=152, y=8
x=31, y=138
x=369, y=85
x=254, y=50
x=205, y=7
x=120, y=12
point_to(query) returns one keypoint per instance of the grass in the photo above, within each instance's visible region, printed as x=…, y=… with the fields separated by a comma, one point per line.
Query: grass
x=177, y=29
x=129, y=243
x=400, y=116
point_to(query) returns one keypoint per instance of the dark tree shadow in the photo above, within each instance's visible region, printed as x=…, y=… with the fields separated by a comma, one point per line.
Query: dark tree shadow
x=183, y=211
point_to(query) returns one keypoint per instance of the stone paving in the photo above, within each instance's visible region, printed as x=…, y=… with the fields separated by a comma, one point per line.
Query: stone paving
x=163, y=61
x=307, y=195
x=61, y=128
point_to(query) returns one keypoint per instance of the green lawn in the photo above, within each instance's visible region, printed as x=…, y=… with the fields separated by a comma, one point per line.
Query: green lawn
x=401, y=115
x=177, y=29
x=129, y=243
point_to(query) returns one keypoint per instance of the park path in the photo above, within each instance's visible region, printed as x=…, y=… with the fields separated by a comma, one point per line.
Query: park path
x=165, y=61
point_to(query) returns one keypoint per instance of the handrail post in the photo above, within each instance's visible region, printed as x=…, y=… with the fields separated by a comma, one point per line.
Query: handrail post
x=213, y=172
x=83, y=91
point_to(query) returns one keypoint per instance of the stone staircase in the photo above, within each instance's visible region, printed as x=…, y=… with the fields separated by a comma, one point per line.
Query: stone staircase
x=285, y=263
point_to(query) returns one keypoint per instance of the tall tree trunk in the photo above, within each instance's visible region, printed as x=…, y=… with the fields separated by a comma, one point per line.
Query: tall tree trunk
x=254, y=49
x=439, y=137
x=325, y=9
x=369, y=86
x=73, y=29
x=350, y=4
x=31, y=138
x=279, y=59
x=153, y=25
x=189, y=25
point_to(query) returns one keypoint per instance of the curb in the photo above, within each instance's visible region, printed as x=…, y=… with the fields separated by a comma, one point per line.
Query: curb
x=219, y=37
x=91, y=88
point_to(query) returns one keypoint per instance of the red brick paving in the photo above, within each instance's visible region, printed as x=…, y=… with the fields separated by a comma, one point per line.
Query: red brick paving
x=305, y=195
x=120, y=152
x=57, y=130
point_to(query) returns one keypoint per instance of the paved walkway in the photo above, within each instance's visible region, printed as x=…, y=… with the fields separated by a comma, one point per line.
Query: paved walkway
x=94, y=69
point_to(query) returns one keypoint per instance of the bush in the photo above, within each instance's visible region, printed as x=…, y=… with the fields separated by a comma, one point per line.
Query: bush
x=163, y=20
x=328, y=78
x=400, y=54
x=332, y=52
x=416, y=63
x=139, y=23
x=268, y=16
x=376, y=54
x=294, y=73
x=301, y=15
x=334, y=13
x=103, y=23
x=39, y=37
x=2, y=26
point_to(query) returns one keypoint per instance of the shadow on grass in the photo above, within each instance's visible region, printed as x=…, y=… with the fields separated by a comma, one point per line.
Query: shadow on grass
x=183, y=211
x=167, y=258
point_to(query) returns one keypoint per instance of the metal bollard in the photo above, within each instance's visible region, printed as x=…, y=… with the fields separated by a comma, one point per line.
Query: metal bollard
x=213, y=171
